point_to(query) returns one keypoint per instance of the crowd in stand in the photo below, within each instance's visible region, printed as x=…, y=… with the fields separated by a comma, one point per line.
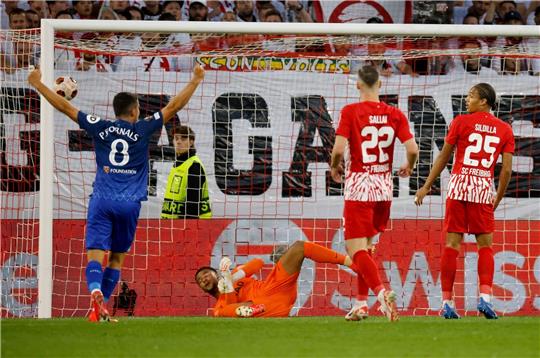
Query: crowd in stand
x=19, y=15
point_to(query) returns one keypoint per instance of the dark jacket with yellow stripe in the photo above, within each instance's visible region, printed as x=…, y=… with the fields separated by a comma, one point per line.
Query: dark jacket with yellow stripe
x=186, y=193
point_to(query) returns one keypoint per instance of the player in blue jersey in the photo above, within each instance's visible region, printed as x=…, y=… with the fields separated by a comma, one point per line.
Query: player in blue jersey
x=121, y=148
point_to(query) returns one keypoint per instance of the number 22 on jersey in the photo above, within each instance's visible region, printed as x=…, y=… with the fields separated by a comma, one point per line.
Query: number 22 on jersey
x=380, y=138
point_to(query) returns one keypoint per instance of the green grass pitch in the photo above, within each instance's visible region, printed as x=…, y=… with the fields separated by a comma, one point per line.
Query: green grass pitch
x=288, y=337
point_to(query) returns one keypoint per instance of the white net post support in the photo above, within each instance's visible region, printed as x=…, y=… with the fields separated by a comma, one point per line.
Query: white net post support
x=48, y=28
x=46, y=194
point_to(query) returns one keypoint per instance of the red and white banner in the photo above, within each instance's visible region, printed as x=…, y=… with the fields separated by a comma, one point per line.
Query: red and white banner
x=161, y=266
x=265, y=139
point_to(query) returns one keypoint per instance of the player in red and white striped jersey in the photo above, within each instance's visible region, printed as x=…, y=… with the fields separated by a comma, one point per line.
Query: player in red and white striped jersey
x=479, y=138
x=367, y=131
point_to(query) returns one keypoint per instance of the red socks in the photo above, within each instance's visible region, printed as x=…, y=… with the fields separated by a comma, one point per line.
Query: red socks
x=363, y=289
x=321, y=254
x=448, y=271
x=486, y=267
x=368, y=270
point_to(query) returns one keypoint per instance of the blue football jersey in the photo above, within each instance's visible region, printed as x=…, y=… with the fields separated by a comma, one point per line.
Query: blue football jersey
x=121, y=151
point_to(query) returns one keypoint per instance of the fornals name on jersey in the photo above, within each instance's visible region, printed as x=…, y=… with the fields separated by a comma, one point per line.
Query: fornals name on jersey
x=378, y=119
x=110, y=170
x=485, y=128
x=119, y=131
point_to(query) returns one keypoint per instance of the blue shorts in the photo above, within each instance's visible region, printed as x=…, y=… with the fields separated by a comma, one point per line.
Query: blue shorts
x=111, y=225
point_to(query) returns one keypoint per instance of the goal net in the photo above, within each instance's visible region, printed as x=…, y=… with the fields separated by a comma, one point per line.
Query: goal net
x=264, y=119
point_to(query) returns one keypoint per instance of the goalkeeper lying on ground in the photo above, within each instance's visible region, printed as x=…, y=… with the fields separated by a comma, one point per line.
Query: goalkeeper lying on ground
x=239, y=295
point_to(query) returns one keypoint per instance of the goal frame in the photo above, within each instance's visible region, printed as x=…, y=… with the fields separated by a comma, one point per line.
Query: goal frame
x=49, y=26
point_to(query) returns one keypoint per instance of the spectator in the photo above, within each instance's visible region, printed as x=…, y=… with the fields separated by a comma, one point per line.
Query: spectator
x=266, y=5
x=273, y=16
x=152, y=9
x=17, y=19
x=537, y=16
x=277, y=43
x=229, y=16
x=387, y=61
x=297, y=12
x=264, y=9
x=56, y=6
x=498, y=10
x=83, y=9
x=471, y=62
x=215, y=12
x=479, y=9
x=38, y=7
x=89, y=62
x=135, y=13
x=471, y=19
x=33, y=19
x=119, y=5
x=430, y=65
x=198, y=11
x=6, y=6
x=64, y=60
x=174, y=8
x=515, y=65
x=245, y=11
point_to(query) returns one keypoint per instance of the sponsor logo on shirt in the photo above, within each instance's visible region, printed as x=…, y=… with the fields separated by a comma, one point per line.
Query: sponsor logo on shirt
x=109, y=170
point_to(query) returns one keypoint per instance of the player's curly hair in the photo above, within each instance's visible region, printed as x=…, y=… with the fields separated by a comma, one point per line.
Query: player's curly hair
x=487, y=92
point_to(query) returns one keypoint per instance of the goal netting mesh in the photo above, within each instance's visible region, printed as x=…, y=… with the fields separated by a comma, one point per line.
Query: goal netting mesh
x=264, y=119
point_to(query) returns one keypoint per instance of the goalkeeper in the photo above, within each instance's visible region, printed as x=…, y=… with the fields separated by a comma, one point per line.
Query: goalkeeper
x=239, y=295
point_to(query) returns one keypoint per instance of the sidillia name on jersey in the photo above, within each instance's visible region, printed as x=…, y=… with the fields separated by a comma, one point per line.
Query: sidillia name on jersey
x=485, y=128
x=378, y=119
x=120, y=131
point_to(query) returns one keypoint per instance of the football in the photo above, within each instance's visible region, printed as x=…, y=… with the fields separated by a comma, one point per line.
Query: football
x=66, y=87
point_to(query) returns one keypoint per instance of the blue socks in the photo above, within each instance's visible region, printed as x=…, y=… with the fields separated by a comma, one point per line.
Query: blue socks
x=110, y=279
x=94, y=275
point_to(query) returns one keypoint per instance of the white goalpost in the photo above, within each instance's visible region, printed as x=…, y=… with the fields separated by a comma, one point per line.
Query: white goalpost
x=264, y=116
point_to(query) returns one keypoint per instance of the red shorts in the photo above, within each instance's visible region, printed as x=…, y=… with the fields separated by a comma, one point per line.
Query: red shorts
x=468, y=218
x=365, y=218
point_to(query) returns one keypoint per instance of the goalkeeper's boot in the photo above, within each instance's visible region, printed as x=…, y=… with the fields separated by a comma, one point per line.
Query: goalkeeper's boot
x=357, y=313
x=99, y=308
x=486, y=308
x=387, y=299
x=249, y=311
x=449, y=312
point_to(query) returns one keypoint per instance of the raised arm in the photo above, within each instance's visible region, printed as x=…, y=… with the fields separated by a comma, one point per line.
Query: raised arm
x=247, y=269
x=57, y=101
x=336, y=165
x=436, y=169
x=182, y=98
x=504, y=178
